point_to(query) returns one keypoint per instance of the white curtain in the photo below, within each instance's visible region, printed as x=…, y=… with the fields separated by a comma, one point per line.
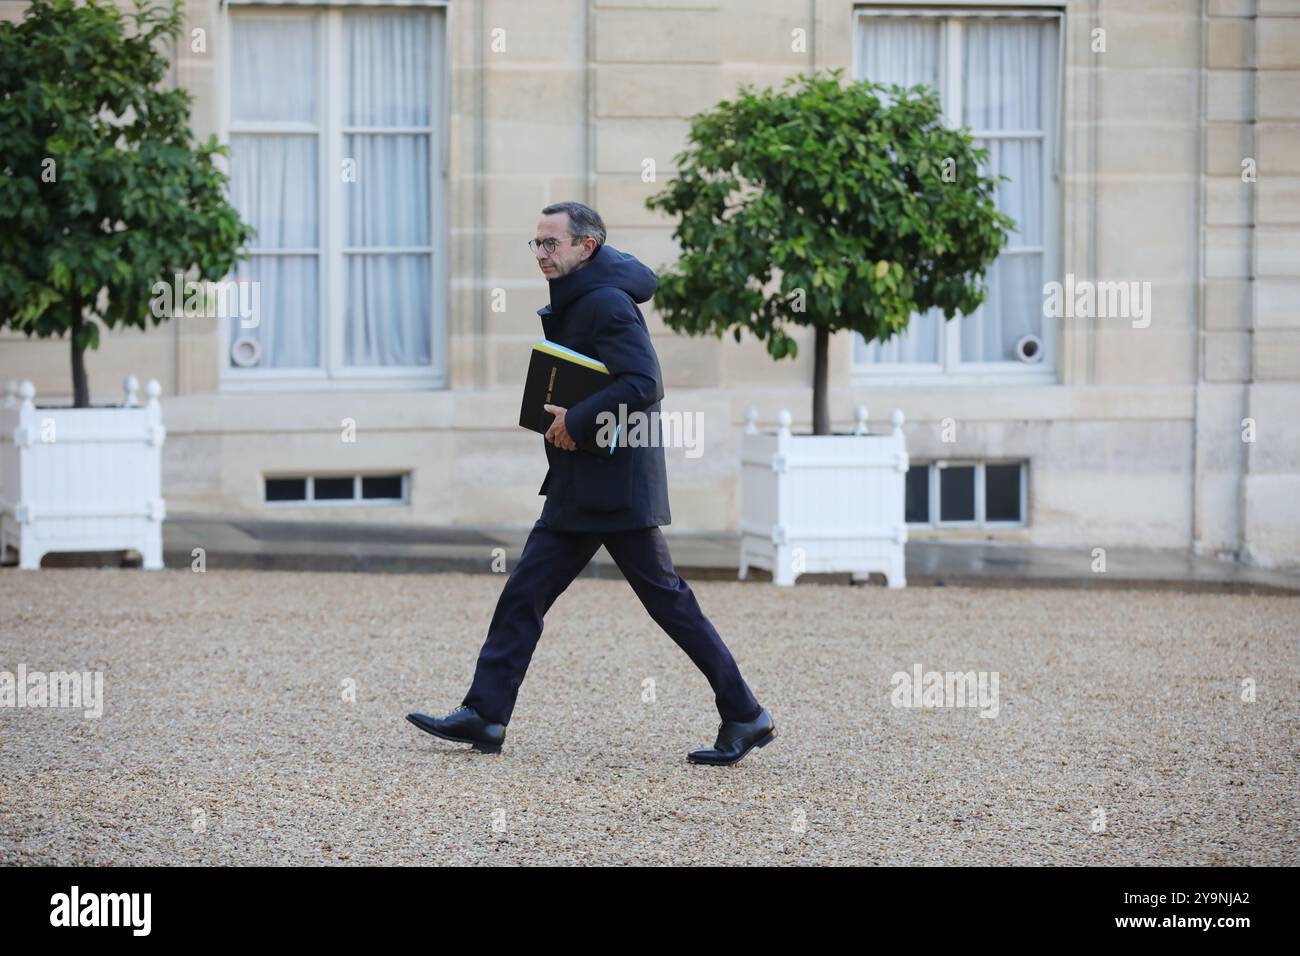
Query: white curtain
x=386, y=59
x=906, y=51
x=1008, y=70
x=274, y=68
x=901, y=50
x=274, y=183
x=388, y=70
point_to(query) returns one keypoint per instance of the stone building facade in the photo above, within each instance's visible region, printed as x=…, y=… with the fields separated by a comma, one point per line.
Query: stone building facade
x=1151, y=142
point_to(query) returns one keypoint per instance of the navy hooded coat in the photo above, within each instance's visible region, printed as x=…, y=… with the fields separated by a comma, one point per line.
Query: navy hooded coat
x=594, y=311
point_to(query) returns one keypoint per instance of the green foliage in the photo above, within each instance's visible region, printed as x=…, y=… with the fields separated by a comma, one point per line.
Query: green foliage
x=133, y=199
x=842, y=192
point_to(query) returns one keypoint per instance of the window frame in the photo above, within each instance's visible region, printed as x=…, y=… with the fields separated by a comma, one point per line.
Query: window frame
x=356, y=501
x=332, y=132
x=933, y=469
x=950, y=369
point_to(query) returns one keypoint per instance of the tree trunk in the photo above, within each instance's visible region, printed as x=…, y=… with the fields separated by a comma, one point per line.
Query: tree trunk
x=821, y=408
x=80, y=387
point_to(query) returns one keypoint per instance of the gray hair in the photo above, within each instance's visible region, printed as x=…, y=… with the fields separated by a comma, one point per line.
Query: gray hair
x=583, y=220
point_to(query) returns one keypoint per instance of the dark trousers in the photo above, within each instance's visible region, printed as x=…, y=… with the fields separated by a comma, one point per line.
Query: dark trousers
x=550, y=561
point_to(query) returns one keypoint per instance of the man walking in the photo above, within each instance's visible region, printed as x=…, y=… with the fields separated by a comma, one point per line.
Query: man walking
x=591, y=500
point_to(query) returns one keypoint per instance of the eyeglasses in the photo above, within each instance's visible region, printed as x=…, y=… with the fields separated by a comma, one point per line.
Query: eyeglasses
x=550, y=244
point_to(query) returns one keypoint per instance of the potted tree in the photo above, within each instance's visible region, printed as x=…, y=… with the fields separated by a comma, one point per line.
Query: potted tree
x=844, y=208
x=105, y=198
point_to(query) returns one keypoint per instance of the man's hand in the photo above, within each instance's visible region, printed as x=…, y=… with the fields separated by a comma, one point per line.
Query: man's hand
x=557, y=435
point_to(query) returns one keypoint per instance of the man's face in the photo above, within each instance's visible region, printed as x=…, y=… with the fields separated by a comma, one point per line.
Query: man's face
x=567, y=255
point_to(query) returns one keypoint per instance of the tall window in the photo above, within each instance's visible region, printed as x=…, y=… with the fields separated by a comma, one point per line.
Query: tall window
x=333, y=124
x=996, y=73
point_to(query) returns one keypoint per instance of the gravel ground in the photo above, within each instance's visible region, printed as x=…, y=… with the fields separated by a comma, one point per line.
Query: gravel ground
x=227, y=735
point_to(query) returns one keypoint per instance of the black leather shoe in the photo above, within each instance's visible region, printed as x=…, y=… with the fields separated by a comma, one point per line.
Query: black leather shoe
x=465, y=726
x=737, y=738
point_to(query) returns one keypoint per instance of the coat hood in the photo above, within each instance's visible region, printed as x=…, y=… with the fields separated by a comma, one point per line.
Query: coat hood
x=607, y=267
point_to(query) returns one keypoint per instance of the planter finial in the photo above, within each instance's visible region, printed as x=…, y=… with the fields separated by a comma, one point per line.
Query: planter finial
x=751, y=420
x=896, y=419
x=153, y=390
x=783, y=419
x=131, y=385
x=27, y=391
x=860, y=420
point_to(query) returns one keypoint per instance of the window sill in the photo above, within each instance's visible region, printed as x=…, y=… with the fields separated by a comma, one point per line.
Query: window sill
x=317, y=382
x=939, y=378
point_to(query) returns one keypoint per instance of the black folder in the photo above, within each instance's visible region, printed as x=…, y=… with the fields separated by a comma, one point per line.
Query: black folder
x=561, y=376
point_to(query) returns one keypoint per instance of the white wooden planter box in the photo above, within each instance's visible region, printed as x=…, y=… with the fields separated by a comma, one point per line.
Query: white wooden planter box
x=81, y=479
x=823, y=503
